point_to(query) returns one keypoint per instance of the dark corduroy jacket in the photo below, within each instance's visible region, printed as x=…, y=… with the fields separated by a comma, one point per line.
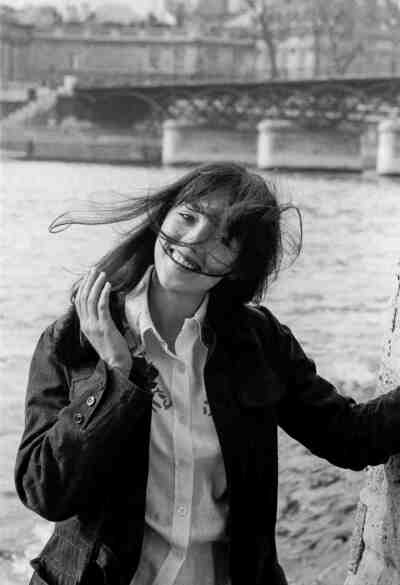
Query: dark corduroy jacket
x=83, y=457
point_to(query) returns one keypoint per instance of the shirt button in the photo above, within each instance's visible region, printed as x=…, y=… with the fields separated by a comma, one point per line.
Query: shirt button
x=78, y=418
x=181, y=510
x=91, y=400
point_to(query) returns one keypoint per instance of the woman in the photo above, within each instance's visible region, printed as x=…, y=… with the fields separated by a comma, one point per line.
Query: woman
x=152, y=406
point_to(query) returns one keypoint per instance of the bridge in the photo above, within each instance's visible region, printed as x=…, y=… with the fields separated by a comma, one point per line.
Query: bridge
x=346, y=124
x=227, y=103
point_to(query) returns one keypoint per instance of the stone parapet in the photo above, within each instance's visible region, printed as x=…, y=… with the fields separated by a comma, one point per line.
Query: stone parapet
x=56, y=144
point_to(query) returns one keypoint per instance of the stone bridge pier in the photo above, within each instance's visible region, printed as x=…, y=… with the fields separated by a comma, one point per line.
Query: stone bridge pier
x=388, y=156
x=185, y=142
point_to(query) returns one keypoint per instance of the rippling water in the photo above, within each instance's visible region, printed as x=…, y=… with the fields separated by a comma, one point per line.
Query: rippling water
x=333, y=297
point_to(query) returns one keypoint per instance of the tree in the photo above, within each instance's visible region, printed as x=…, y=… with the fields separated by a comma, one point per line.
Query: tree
x=338, y=35
x=270, y=26
x=391, y=25
x=178, y=10
x=336, y=29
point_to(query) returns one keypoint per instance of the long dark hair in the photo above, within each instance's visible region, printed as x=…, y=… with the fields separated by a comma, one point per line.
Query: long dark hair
x=253, y=216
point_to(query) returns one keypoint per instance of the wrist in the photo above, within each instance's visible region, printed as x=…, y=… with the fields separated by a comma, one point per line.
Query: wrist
x=125, y=366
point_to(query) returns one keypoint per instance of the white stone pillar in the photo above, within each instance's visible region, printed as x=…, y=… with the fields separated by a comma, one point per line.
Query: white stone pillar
x=184, y=142
x=171, y=141
x=284, y=145
x=375, y=549
x=388, y=159
x=369, y=146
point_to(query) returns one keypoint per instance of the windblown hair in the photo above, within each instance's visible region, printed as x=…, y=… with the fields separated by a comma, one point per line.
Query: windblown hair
x=253, y=216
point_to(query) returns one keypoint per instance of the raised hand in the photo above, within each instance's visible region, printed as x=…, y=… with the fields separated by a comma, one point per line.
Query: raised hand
x=92, y=304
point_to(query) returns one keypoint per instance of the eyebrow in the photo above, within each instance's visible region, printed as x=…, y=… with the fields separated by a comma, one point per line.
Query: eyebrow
x=215, y=216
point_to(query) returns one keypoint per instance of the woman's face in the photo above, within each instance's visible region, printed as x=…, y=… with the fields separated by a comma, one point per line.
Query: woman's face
x=200, y=256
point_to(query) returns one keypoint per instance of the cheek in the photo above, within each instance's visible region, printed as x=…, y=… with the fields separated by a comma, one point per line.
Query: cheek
x=159, y=254
x=170, y=228
x=221, y=259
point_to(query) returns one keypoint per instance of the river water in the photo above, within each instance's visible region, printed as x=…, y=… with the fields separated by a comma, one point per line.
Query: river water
x=334, y=299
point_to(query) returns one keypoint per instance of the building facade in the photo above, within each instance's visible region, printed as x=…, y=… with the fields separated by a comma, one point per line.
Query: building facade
x=130, y=54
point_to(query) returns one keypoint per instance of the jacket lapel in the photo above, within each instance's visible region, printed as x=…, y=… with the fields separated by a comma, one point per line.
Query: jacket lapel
x=248, y=350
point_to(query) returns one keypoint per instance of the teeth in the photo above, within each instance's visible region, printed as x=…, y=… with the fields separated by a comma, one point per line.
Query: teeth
x=178, y=257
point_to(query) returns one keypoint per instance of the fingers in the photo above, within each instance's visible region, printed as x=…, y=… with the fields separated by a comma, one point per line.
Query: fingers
x=89, y=294
x=103, y=305
x=93, y=296
x=81, y=295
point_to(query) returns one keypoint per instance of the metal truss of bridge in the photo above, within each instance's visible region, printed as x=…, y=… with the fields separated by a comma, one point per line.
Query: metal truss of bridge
x=319, y=102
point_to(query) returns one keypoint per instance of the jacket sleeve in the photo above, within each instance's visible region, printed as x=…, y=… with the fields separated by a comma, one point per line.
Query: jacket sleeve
x=69, y=423
x=331, y=425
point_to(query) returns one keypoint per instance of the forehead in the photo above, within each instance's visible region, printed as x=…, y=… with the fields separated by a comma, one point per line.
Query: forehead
x=214, y=205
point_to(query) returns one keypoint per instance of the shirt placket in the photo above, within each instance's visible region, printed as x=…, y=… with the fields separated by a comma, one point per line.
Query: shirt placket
x=184, y=471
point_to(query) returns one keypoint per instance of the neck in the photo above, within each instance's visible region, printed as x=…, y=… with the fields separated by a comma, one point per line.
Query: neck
x=169, y=310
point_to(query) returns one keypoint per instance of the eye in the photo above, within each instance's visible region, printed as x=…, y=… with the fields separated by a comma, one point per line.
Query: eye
x=187, y=217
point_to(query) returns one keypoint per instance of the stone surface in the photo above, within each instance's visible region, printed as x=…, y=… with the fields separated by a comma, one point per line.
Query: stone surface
x=388, y=157
x=187, y=143
x=375, y=551
x=285, y=145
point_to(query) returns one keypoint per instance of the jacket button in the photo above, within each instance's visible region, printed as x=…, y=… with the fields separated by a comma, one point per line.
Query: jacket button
x=90, y=400
x=78, y=418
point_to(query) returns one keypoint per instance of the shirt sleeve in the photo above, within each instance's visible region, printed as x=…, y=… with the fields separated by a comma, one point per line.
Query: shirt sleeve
x=69, y=422
x=331, y=425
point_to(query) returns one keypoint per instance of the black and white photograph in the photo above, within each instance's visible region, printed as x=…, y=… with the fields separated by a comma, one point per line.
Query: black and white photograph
x=200, y=292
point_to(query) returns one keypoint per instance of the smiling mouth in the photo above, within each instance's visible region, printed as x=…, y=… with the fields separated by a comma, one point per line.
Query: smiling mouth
x=180, y=259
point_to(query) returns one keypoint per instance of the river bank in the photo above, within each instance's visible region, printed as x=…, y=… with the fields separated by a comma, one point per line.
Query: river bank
x=74, y=145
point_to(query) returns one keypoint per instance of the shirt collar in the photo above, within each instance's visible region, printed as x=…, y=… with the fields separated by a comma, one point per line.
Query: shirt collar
x=138, y=319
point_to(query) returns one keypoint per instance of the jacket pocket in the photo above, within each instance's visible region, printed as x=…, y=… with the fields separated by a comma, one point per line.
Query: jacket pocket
x=38, y=578
x=47, y=575
x=62, y=561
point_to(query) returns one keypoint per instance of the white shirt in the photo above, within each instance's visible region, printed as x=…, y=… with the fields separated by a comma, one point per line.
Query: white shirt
x=186, y=502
